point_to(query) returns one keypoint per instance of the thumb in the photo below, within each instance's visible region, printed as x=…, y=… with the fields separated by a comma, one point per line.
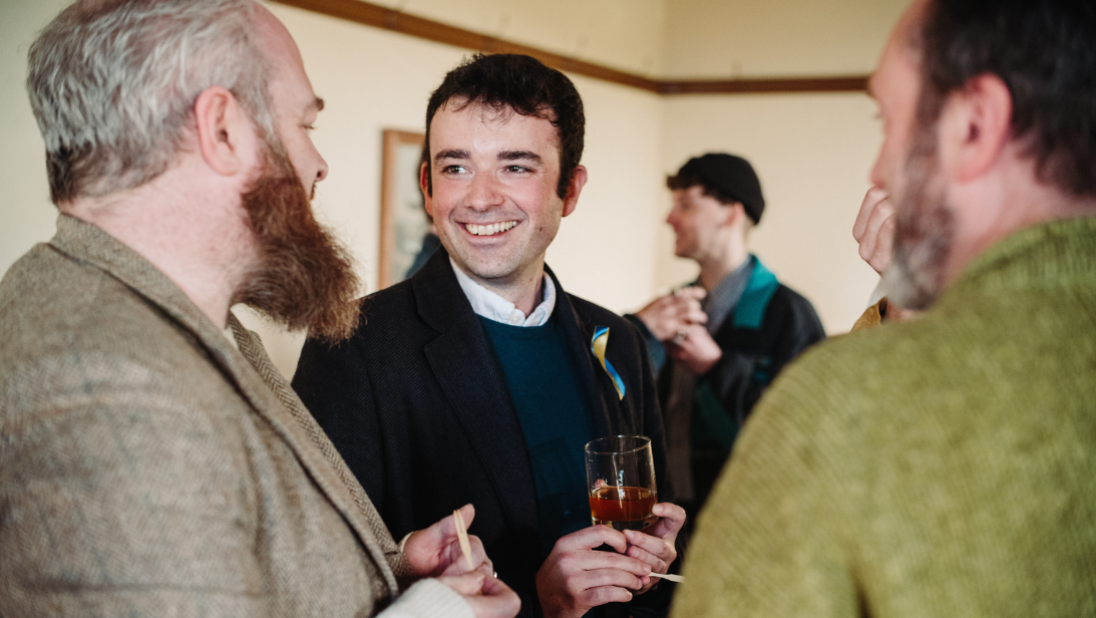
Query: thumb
x=468, y=512
x=444, y=531
x=467, y=585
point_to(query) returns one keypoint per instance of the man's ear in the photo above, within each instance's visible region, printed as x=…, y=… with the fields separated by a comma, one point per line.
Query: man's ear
x=733, y=214
x=424, y=185
x=578, y=180
x=975, y=126
x=226, y=136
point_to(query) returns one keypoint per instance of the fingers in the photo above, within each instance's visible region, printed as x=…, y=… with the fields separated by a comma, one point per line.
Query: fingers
x=469, y=584
x=671, y=519
x=665, y=315
x=600, y=596
x=884, y=246
x=872, y=198
x=468, y=513
x=590, y=538
x=875, y=244
x=444, y=531
x=480, y=561
x=609, y=577
x=697, y=350
x=658, y=553
x=691, y=313
x=658, y=541
x=497, y=601
x=614, y=569
x=692, y=292
x=874, y=229
x=575, y=577
x=436, y=551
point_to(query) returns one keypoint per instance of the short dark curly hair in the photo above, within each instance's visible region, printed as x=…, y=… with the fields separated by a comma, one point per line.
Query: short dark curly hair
x=1044, y=51
x=525, y=85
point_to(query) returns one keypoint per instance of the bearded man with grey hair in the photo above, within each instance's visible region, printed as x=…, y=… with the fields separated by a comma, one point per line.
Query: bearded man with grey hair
x=946, y=465
x=152, y=460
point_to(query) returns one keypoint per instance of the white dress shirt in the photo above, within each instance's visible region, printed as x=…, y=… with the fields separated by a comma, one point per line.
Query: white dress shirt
x=486, y=303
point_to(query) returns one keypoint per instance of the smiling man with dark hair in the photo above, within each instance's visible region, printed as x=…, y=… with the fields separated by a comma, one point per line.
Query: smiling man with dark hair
x=945, y=465
x=476, y=380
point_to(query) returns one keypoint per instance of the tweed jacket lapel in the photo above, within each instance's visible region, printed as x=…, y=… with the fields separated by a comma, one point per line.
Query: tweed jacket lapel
x=321, y=460
x=463, y=365
x=256, y=379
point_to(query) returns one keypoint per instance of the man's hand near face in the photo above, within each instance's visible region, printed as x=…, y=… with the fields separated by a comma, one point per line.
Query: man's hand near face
x=874, y=229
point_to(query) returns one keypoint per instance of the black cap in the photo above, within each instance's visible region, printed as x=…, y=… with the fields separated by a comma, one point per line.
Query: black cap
x=730, y=176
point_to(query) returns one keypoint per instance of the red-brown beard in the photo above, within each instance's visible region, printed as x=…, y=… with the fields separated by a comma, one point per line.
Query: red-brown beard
x=303, y=276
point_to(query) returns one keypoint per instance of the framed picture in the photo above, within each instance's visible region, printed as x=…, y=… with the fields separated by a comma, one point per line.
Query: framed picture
x=404, y=224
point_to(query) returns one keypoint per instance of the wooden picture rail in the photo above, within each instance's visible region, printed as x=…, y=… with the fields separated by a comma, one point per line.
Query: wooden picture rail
x=378, y=16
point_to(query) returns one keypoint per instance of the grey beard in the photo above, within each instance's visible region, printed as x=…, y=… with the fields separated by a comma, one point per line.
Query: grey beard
x=914, y=279
x=923, y=236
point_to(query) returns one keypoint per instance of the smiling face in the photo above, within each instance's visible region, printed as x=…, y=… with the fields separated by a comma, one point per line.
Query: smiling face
x=494, y=201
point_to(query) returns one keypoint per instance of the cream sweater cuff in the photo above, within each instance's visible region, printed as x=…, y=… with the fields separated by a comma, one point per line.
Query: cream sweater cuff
x=429, y=598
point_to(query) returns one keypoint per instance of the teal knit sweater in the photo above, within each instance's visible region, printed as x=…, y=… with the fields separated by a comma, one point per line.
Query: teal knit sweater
x=941, y=467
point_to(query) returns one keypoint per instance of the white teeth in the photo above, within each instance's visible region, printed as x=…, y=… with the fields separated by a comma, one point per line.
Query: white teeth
x=490, y=229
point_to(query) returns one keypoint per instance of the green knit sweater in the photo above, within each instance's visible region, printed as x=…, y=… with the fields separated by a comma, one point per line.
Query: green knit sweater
x=941, y=467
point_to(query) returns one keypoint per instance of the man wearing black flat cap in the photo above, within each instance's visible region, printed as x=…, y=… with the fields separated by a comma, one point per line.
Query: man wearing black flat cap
x=729, y=333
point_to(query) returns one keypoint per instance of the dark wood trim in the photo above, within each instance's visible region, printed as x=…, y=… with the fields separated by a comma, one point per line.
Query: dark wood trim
x=378, y=16
x=850, y=83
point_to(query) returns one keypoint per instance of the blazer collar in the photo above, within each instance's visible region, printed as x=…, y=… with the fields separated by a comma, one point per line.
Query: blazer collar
x=463, y=364
x=249, y=368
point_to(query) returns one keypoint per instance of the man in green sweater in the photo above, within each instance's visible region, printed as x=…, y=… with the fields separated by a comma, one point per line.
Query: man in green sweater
x=947, y=465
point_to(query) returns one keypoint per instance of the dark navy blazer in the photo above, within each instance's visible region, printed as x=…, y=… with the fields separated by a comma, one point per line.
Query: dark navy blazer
x=418, y=407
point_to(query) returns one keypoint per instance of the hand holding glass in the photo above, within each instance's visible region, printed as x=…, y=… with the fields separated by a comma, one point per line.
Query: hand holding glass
x=620, y=474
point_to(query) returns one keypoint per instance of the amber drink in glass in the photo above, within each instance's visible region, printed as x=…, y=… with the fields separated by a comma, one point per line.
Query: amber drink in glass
x=620, y=474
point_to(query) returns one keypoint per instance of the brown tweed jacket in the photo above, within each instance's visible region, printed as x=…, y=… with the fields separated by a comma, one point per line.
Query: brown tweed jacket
x=149, y=467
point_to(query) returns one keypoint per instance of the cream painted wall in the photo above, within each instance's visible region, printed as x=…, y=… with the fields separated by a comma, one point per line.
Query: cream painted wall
x=720, y=39
x=26, y=214
x=812, y=154
x=624, y=34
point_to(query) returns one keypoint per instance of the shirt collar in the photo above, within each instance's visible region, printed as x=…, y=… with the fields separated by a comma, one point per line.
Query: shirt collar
x=722, y=300
x=487, y=304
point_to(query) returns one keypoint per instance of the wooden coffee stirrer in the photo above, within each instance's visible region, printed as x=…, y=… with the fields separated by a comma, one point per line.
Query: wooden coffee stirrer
x=462, y=538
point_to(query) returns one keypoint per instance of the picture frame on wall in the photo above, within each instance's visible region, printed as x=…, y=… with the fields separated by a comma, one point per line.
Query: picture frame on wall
x=404, y=224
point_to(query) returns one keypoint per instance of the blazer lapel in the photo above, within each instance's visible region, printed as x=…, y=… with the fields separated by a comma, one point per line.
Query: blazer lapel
x=249, y=369
x=464, y=366
x=604, y=405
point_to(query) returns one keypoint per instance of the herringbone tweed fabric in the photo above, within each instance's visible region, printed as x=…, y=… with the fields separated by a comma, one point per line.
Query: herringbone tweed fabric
x=149, y=468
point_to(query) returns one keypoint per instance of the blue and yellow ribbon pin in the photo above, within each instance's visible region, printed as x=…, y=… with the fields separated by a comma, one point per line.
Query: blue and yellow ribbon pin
x=597, y=346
